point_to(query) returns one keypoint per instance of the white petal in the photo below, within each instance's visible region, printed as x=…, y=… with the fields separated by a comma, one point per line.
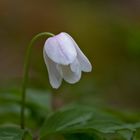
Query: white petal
x=60, y=49
x=75, y=66
x=54, y=76
x=83, y=60
x=68, y=75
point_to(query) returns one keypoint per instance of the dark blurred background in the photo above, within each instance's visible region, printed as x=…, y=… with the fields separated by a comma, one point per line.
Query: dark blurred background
x=108, y=32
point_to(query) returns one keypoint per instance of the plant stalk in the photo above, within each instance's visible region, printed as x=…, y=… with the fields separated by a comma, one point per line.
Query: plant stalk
x=25, y=75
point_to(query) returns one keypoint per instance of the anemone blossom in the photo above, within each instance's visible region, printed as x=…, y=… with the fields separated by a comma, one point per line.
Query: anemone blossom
x=64, y=60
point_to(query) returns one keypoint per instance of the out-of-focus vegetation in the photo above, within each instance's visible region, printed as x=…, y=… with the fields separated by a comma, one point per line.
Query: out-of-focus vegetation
x=108, y=32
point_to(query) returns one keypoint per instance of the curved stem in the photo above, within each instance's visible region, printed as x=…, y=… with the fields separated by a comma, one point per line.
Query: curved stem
x=25, y=76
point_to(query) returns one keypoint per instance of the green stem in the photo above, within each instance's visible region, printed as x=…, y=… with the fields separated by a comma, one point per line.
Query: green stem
x=25, y=76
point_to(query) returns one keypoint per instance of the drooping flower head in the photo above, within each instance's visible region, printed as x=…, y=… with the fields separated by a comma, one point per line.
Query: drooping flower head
x=64, y=60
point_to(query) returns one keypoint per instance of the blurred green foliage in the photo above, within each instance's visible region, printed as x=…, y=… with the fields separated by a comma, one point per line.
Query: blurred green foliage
x=75, y=121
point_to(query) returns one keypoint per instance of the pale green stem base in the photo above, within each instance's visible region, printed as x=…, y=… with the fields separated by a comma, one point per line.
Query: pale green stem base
x=25, y=76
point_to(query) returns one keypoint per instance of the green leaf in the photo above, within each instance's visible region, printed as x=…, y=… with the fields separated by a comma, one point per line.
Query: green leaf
x=136, y=125
x=40, y=98
x=82, y=136
x=37, y=103
x=137, y=135
x=79, y=119
x=63, y=119
x=11, y=133
x=126, y=134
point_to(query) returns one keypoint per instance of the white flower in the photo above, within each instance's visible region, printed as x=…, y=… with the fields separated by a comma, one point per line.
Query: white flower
x=64, y=60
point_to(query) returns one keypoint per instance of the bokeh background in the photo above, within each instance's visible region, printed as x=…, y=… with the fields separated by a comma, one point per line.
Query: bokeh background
x=108, y=32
